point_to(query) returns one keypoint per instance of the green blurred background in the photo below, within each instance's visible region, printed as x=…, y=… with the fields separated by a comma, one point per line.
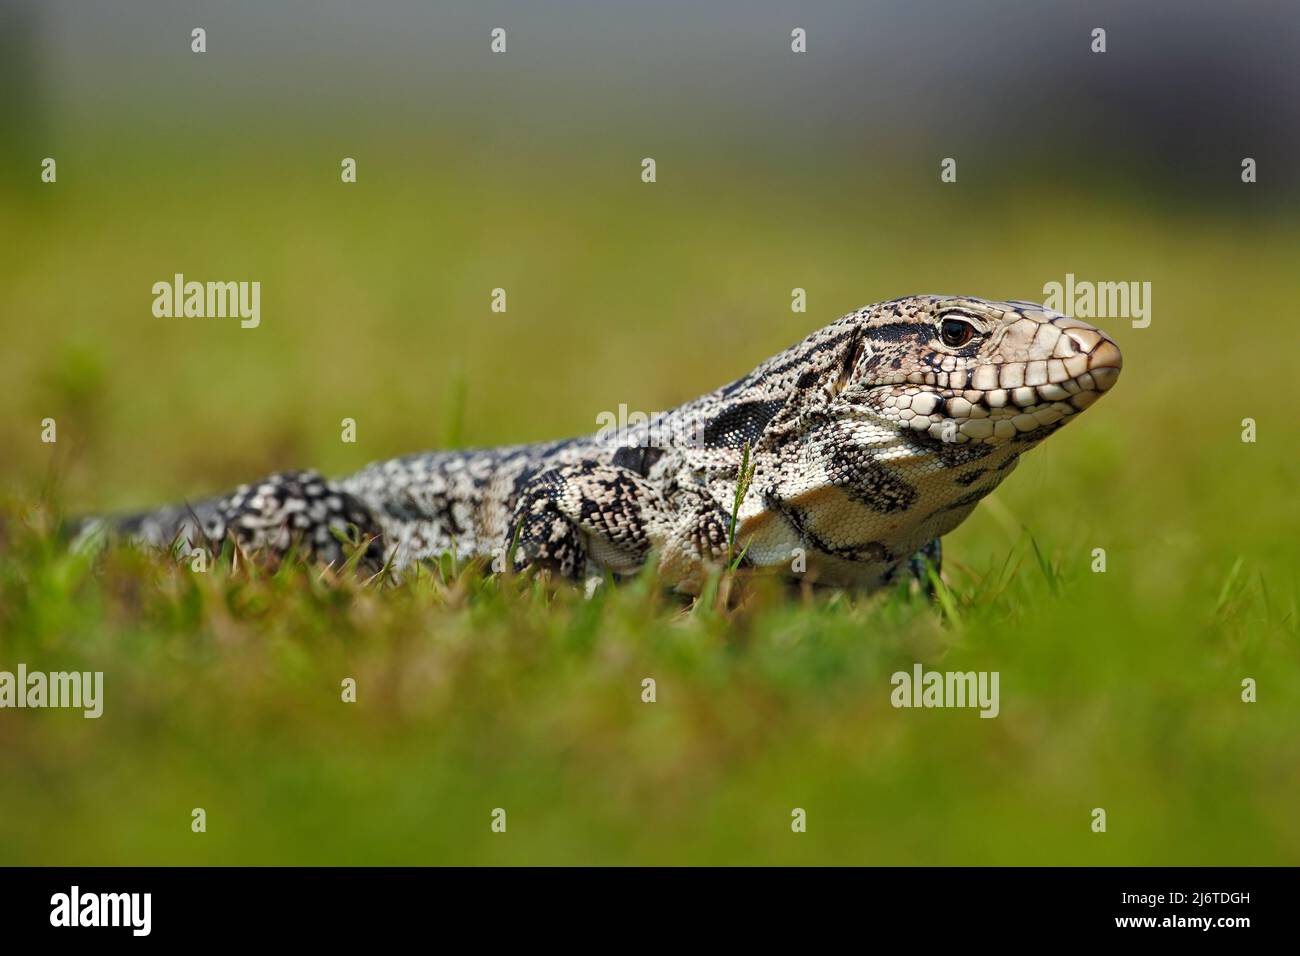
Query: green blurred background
x=521, y=171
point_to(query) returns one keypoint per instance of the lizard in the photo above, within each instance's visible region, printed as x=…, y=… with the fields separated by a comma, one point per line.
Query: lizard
x=863, y=444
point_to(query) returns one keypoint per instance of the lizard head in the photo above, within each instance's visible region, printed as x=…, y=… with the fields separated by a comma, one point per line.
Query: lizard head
x=964, y=370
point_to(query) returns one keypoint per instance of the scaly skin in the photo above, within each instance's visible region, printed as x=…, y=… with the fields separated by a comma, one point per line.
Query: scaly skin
x=870, y=439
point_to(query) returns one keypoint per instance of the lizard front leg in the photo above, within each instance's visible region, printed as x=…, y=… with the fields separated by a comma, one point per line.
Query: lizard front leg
x=929, y=556
x=571, y=519
x=698, y=538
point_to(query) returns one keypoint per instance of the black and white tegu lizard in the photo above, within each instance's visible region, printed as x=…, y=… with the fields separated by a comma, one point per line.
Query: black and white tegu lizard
x=869, y=440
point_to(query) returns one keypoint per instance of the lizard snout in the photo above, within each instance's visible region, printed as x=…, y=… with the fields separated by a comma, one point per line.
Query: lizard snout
x=1094, y=366
x=1104, y=359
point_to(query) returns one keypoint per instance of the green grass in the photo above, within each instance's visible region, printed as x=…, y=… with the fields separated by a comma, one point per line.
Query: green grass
x=1119, y=690
x=223, y=690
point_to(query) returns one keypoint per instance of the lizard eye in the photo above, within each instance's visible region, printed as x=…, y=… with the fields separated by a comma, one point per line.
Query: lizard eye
x=955, y=332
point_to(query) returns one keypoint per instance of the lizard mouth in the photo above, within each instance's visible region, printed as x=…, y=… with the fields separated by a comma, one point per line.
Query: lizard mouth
x=993, y=403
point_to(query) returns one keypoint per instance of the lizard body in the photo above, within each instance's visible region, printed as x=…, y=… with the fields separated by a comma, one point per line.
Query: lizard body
x=869, y=440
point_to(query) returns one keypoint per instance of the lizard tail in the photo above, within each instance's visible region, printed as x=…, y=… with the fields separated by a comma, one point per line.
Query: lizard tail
x=164, y=527
x=285, y=509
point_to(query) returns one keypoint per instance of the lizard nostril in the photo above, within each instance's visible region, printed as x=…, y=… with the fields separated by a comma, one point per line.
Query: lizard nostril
x=1085, y=339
